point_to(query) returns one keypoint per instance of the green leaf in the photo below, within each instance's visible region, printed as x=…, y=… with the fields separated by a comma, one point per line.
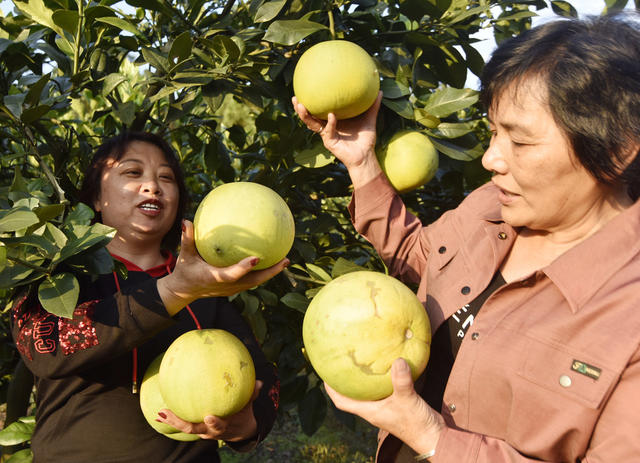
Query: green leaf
x=111, y=82
x=16, y=433
x=122, y=24
x=268, y=297
x=314, y=157
x=318, y=272
x=181, y=48
x=312, y=411
x=565, y=9
x=56, y=235
x=456, y=152
x=423, y=117
x=401, y=106
x=49, y=211
x=343, y=266
x=616, y=5
x=37, y=10
x=34, y=241
x=291, y=31
x=295, y=301
x=35, y=90
x=58, y=294
x=3, y=257
x=448, y=100
x=21, y=456
x=67, y=20
x=268, y=11
x=31, y=115
x=225, y=48
x=81, y=214
x=455, y=129
x=16, y=220
x=97, y=235
x=155, y=59
x=394, y=89
x=250, y=302
x=14, y=103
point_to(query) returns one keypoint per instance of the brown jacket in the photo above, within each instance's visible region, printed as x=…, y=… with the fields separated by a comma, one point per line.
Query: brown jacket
x=550, y=369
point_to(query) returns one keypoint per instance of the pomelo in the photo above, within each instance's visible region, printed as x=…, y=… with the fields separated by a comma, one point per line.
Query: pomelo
x=206, y=372
x=336, y=76
x=409, y=160
x=357, y=325
x=151, y=402
x=242, y=219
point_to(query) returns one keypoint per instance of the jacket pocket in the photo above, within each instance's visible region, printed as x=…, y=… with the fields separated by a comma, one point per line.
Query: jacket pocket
x=569, y=373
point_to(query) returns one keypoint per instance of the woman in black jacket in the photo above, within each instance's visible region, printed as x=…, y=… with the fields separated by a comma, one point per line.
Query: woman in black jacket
x=87, y=369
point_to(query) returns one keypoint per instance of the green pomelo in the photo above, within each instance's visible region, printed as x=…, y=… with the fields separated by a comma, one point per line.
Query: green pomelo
x=337, y=77
x=206, y=372
x=151, y=402
x=242, y=219
x=357, y=325
x=409, y=160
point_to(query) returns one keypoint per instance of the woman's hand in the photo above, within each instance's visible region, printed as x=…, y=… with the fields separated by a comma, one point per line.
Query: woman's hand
x=193, y=278
x=352, y=141
x=404, y=413
x=232, y=428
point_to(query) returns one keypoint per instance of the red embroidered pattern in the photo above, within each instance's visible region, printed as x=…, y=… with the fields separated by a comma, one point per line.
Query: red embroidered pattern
x=38, y=327
x=274, y=393
x=78, y=333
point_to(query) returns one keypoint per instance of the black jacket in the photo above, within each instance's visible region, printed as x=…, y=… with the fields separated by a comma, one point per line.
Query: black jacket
x=84, y=367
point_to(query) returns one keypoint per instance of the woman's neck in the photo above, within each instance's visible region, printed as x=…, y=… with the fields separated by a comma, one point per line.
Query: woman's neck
x=143, y=254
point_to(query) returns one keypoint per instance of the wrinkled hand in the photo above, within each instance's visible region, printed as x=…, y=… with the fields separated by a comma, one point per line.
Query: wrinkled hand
x=352, y=141
x=193, y=278
x=404, y=413
x=237, y=427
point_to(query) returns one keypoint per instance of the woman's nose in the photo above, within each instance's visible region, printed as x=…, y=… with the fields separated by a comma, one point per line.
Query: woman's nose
x=151, y=186
x=493, y=160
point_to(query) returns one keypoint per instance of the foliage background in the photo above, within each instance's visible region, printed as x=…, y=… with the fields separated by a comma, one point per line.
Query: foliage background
x=214, y=79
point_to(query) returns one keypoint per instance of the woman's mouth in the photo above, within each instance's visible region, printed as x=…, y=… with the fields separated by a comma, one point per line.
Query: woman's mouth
x=150, y=208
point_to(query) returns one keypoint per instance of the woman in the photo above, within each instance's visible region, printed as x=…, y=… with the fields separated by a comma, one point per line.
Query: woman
x=88, y=368
x=532, y=282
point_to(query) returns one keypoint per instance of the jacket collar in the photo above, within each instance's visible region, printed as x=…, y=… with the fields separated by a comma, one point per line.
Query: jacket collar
x=157, y=271
x=581, y=271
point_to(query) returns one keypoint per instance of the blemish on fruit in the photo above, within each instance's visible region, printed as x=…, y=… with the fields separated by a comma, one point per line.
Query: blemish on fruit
x=373, y=292
x=408, y=334
x=243, y=364
x=228, y=380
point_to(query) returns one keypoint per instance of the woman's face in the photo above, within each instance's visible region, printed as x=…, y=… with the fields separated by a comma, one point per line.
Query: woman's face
x=139, y=194
x=543, y=185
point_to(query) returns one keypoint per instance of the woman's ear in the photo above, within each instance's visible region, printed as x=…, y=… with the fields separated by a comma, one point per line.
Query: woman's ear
x=96, y=205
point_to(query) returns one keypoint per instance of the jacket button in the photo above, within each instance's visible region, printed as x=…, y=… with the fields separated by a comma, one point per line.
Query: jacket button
x=465, y=290
x=502, y=235
x=451, y=407
x=442, y=250
x=475, y=336
x=565, y=381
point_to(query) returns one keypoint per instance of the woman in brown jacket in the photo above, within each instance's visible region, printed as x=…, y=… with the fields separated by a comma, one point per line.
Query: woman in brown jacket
x=532, y=283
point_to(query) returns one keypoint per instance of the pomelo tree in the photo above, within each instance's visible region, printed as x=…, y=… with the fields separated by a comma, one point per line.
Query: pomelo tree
x=215, y=79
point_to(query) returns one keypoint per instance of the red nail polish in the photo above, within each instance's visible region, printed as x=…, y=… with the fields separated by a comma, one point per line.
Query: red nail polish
x=162, y=415
x=254, y=261
x=184, y=227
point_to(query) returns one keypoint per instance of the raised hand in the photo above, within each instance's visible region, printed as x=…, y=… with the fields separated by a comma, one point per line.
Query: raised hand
x=352, y=141
x=193, y=278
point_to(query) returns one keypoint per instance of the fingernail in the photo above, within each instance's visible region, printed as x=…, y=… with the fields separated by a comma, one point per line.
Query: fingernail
x=254, y=261
x=184, y=227
x=401, y=365
x=162, y=415
x=287, y=263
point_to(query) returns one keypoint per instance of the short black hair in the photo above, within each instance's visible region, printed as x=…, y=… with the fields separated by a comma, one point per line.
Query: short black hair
x=591, y=69
x=113, y=149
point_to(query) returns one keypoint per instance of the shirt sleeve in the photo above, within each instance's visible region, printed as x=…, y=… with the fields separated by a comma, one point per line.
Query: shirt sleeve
x=378, y=214
x=266, y=404
x=101, y=329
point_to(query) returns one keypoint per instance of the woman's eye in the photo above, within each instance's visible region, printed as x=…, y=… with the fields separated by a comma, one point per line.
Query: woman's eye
x=132, y=172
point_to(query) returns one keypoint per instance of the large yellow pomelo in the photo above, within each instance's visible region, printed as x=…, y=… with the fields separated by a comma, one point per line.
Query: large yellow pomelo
x=206, y=372
x=409, y=160
x=337, y=77
x=151, y=402
x=357, y=325
x=242, y=219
